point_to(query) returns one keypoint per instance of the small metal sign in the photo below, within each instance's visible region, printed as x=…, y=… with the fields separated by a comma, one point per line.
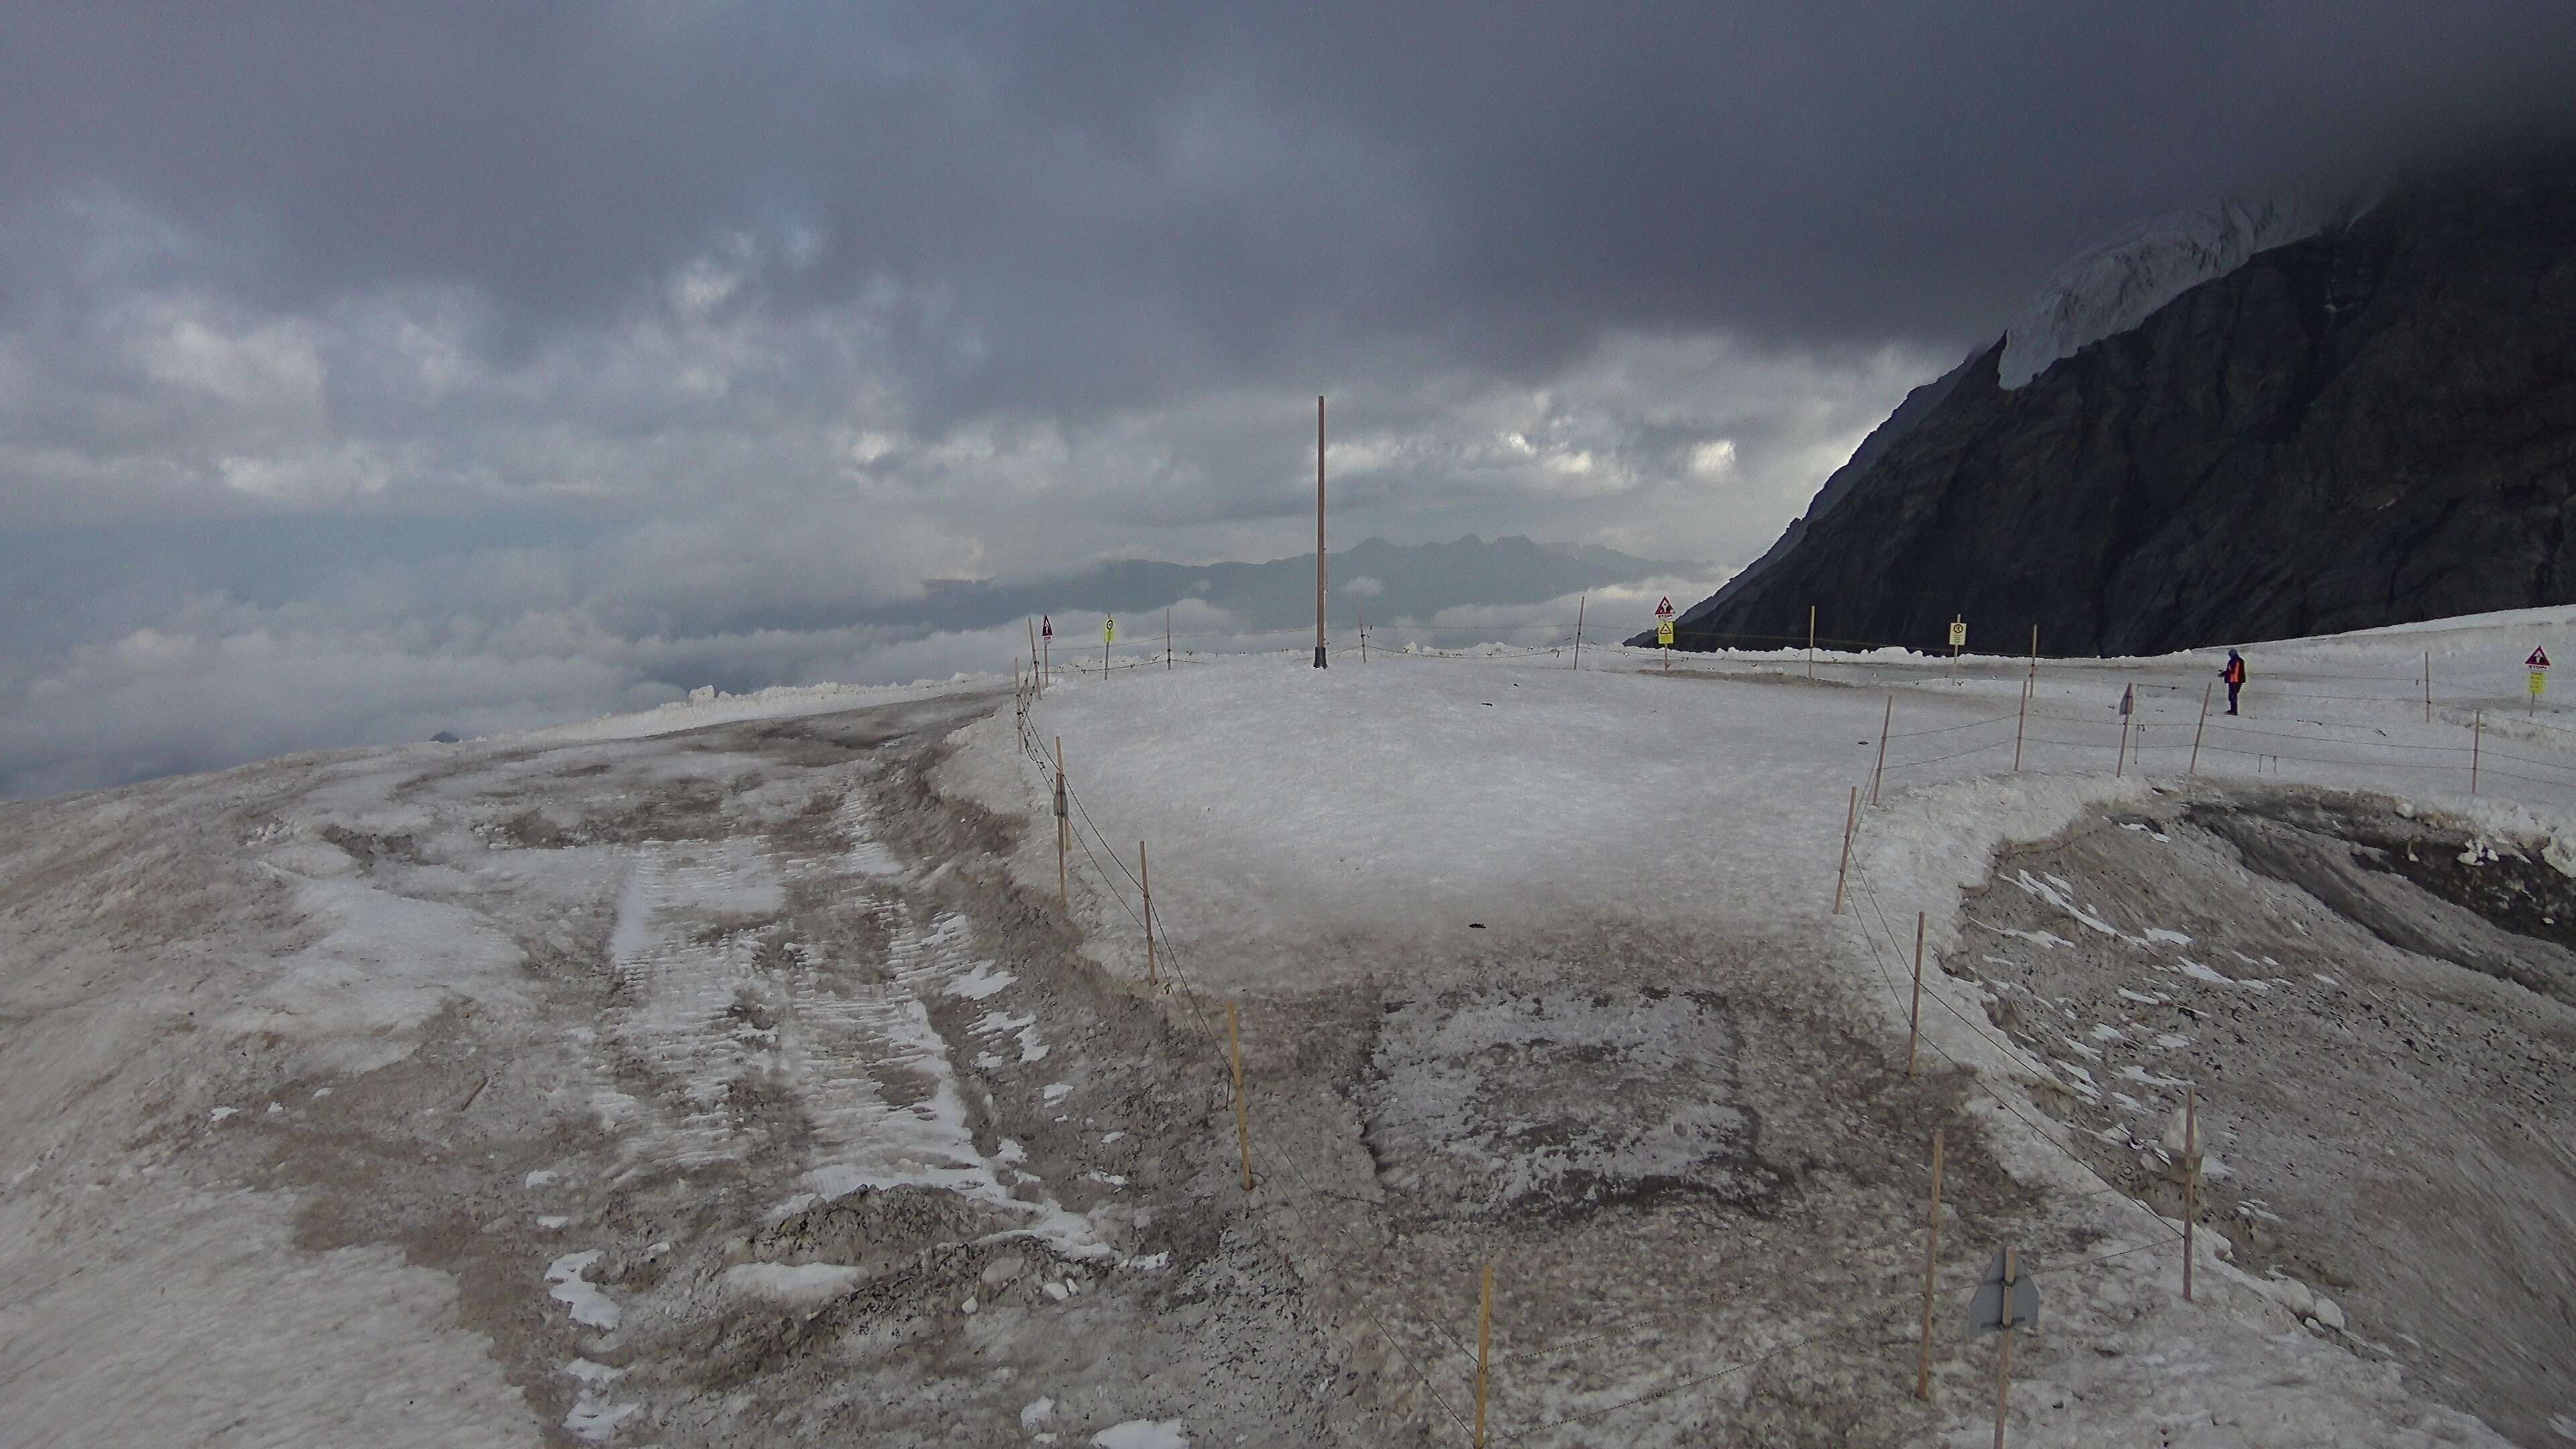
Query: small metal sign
x=2539, y=660
x=1046, y=625
x=1664, y=633
x=2539, y=683
x=1958, y=633
x=1986, y=1310
x=2128, y=701
x=1109, y=629
x=1664, y=610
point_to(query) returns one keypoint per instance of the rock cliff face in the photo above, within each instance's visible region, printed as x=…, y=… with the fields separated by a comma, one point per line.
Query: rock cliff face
x=2372, y=425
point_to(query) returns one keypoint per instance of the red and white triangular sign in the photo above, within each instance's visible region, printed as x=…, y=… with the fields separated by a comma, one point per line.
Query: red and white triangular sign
x=1046, y=626
x=1664, y=610
x=2539, y=660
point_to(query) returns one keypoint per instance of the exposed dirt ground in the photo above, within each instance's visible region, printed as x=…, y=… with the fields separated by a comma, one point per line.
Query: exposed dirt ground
x=2374, y=1008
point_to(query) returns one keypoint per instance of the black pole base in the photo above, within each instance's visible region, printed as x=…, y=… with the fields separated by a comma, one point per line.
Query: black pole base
x=1319, y=658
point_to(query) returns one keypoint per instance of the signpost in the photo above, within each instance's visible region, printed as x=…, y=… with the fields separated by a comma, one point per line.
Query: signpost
x=1108, y=636
x=1664, y=631
x=1958, y=636
x=2008, y=1299
x=2538, y=664
x=1046, y=632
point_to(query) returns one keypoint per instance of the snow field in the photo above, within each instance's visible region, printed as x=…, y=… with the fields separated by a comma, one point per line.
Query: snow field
x=1423, y=797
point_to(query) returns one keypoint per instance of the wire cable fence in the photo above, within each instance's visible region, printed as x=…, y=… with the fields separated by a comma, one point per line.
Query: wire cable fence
x=2328, y=744
x=1905, y=1289
x=1208, y=1020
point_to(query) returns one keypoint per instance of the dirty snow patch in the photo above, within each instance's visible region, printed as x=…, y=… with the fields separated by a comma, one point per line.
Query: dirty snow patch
x=797, y=1284
x=593, y=1419
x=2198, y=972
x=590, y=1307
x=1143, y=1434
x=982, y=981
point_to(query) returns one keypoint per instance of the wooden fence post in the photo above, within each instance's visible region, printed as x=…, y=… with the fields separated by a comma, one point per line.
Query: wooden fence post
x=1931, y=1257
x=2477, y=739
x=1242, y=1114
x=2428, y=686
x=2003, y=1360
x=1034, y=667
x=1484, y=1342
x=1879, y=771
x=1145, y=884
x=2021, y=723
x=1851, y=820
x=1167, y=641
x=2196, y=729
x=1063, y=842
x=2190, y=1179
x=2128, y=703
x=1914, y=1019
x=1811, y=643
x=1579, y=601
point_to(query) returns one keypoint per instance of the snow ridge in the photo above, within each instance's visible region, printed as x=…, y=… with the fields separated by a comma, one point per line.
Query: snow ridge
x=2113, y=287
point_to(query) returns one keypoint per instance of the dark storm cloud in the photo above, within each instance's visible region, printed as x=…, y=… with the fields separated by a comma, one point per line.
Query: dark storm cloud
x=1090, y=201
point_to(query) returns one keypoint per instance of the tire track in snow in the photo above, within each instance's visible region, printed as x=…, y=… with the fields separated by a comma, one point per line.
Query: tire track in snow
x=702, y=1007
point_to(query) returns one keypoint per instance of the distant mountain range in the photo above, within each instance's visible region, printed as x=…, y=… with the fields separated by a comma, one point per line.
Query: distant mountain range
x=1389, y=581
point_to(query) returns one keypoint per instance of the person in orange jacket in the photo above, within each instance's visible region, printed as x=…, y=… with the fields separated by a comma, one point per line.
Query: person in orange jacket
x=2234, y=674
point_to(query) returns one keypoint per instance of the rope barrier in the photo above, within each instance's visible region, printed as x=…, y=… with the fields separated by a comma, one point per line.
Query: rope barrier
x=1204, y=1017
x=1879, y=941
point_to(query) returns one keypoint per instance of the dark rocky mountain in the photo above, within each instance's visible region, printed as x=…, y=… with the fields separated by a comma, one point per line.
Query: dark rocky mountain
x=2373, y=425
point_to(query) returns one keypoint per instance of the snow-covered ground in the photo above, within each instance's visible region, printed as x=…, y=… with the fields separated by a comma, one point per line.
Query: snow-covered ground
x=735, y=1077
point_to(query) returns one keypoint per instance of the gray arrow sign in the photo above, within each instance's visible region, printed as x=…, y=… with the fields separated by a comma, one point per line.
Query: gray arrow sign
x=1986, y=1310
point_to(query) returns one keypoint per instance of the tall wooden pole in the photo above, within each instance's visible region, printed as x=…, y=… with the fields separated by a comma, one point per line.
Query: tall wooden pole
x=1063, y=889
x=1914, y=1021
x=1364, y=633
x=1167, y=640
x=1881, y=769
x=1034, y=667
x=1579, y=601
x=1931, y=1257
x=1319, y=535
x=2477, y=741
x=1811, y=643
x=2428, y=686
x=1145, y=884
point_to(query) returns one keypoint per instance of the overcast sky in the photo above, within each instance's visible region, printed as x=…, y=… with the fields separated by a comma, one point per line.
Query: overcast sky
x=367, y=367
